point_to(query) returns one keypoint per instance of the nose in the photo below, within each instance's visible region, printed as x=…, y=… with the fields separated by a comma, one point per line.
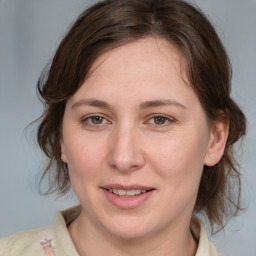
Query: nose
x=126, y=152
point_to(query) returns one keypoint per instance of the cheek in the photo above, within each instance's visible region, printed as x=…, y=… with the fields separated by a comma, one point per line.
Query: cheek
x=83, y=161
x=83, y=171
x=179, y=160
x=179, y=164
x=86, y=159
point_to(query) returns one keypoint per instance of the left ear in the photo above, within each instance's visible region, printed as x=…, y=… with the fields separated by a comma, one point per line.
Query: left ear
x=217, y=143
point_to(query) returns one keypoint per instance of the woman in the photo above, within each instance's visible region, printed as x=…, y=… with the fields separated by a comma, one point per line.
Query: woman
x=139, y=120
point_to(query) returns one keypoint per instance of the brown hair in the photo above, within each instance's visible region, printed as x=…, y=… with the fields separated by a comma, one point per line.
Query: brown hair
x=111, y=23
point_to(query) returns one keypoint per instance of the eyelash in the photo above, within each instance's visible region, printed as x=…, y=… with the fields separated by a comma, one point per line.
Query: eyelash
x=85, y=121
x=166, y=118
x=86, y=118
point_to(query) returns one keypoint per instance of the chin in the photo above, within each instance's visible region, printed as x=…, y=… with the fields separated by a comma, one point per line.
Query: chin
x=130, y=234
x=128, y=229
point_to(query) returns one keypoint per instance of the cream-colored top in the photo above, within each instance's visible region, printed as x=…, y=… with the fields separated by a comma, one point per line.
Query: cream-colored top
x=55, y=240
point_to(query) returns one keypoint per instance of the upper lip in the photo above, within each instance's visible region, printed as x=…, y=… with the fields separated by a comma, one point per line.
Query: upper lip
x=127, y=187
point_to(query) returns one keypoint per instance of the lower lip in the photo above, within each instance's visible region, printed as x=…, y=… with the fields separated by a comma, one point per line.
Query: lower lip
x=127, y=202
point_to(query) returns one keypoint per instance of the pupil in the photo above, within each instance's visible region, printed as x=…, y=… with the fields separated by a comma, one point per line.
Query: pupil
x=97, y=119
x=159, y=120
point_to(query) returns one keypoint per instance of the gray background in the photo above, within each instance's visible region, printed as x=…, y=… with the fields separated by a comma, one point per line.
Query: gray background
x=30, y=31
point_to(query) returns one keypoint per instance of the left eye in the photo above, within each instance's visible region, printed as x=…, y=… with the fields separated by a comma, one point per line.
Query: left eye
x=159, y=120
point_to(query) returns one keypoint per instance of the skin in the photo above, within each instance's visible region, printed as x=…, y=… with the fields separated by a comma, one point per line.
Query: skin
x=163, y=146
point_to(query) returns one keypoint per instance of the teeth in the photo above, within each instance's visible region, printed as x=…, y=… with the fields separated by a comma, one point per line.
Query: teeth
x=126, y=193
x=131, y=192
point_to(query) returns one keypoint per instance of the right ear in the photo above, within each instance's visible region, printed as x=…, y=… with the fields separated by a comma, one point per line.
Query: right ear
x=62, y=148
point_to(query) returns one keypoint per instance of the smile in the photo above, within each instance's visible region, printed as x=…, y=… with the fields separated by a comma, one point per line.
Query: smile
x=127, y=193
x=127, y=197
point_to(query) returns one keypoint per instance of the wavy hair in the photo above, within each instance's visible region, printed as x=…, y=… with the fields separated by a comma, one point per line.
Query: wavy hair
x=112, y=23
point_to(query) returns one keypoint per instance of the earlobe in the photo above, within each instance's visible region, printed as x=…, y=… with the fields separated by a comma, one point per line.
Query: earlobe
x=217, y=143
x=63, y=155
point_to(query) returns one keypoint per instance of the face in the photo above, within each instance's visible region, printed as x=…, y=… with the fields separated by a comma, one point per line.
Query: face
x=135, y=139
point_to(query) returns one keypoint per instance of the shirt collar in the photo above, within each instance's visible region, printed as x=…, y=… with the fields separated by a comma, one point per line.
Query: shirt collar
x=64, y=242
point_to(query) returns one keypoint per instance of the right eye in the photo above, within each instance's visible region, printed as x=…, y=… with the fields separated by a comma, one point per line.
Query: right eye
x=94, y=121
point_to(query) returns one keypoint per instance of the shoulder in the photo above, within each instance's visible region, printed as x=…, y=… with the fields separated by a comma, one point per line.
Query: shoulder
x=51, y=240
x=26, y=242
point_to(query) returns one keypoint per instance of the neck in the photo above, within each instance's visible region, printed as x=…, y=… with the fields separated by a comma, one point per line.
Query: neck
x=88, y=237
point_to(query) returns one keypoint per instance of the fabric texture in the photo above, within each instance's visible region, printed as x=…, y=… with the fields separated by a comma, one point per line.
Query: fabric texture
x=55, y=240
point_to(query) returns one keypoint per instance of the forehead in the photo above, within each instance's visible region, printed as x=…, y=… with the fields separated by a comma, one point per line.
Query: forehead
x=142, y=70
x=141, y=54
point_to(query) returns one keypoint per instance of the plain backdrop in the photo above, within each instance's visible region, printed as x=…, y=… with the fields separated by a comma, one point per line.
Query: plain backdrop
x=30, y=31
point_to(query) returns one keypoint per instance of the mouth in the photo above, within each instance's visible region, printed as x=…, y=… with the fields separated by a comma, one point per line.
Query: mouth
x=128, y=193
x=127, y=197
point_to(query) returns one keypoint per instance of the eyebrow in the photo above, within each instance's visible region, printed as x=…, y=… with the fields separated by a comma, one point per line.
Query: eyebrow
x=143, y=105
x=91, y=102
x=160, y=102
